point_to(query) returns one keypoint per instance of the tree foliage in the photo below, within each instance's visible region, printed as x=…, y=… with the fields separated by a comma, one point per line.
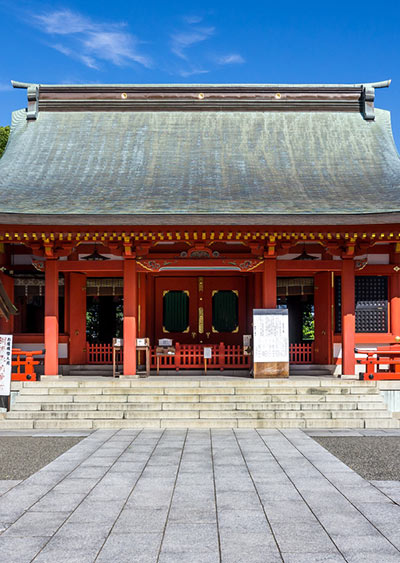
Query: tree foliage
x=308, y=322
x=4, y=133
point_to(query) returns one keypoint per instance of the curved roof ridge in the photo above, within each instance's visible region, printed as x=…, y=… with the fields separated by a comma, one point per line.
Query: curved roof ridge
x=379, y=84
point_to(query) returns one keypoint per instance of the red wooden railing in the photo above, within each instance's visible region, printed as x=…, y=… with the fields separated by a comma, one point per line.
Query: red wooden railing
x=382, y=363
x=191, y=356
x=99, y=353
x=23, y=364
x=302, y=353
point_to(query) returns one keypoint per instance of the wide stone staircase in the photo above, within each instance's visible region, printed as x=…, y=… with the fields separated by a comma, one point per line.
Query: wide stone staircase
x=223, y=402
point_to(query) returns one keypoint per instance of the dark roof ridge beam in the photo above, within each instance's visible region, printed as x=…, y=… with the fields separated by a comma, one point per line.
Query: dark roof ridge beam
x=368, y=98
x=33, y=97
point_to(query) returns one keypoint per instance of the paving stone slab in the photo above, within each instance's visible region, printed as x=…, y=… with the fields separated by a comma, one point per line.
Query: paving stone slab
x=128, y=548
x=203, y=495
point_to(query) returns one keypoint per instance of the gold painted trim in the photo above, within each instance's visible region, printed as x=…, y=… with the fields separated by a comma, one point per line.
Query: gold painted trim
x=187, y=329
x=201, y=284
x=201, y=320
x=214, y=292
x=186, y=291
x=255, y=266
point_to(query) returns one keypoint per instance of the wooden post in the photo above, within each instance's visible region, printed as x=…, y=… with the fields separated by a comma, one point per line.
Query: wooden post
x=142, y=305
x=221, y=356
x=257, y=290
x=51, y=317
x=177, y=356
x=323, y=301
x=395, y=301
x=395, y=297
x=269, y=284
x=348, y=317
x=77, y=318
x=130, y=316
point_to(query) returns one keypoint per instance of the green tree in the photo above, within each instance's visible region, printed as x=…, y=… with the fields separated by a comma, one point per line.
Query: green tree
x=308, y=322
x=4, y=133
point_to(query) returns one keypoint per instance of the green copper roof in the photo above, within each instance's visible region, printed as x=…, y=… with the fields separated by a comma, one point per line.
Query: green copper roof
x=210, y=164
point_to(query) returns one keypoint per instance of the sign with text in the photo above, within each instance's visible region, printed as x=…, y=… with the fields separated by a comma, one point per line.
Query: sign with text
x=5, y=363
x=271, y=335
x=207, y=353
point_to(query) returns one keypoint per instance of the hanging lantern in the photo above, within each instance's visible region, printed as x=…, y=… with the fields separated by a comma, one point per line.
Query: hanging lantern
x=95, y=256
x=305, y=256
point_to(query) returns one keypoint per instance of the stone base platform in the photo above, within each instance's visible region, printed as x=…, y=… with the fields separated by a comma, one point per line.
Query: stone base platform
x=198, y=402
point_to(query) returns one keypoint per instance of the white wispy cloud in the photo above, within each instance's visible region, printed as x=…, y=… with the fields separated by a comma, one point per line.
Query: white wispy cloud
x=182, y=40
x=85, y=59
x=192, y=19
x=231, y=59
x=4, y=87
x=91, y=42
x=191, y=72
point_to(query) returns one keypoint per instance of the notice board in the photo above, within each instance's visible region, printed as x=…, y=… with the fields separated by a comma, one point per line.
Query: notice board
x=271, y=342
x=5, y=363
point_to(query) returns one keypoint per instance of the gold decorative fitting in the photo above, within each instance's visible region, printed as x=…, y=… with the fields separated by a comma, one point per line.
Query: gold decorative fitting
x=201, y=320
x=278, y=96
x=124, y=95
x=201, y=96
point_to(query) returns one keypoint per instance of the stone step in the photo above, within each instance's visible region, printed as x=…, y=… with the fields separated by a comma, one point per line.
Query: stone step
x=199, y=403
x=228, y=382
x=193, y=414
x=198, y=423
x=157, y=406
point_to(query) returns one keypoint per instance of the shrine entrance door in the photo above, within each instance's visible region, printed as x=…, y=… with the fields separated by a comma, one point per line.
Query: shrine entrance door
x=201, y=309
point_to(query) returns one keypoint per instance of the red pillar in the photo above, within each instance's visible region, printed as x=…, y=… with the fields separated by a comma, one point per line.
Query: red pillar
x=6, y=327
x=77, y=318
x=130, y=316
x=323, y=301
x=348, y=317
x=269, y=284
x=395, y=297
x=51, y=317
x=142, y=310
x=258, y=290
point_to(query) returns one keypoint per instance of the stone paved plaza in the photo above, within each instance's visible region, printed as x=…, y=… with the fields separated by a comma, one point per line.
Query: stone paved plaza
x=198, y=496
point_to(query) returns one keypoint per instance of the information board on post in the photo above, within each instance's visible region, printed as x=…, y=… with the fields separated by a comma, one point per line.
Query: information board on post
x=5, y=363
x=270, y=343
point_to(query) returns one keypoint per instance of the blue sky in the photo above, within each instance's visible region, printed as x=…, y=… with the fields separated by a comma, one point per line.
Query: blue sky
x=203, y=42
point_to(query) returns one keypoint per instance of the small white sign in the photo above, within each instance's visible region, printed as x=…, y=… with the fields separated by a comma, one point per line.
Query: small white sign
x=207, y=353
x=271, y=335
x=165, y=342
x=5, y=363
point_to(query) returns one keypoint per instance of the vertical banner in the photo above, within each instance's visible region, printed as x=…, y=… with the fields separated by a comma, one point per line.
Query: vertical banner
x=271, y=342
x=5, y=363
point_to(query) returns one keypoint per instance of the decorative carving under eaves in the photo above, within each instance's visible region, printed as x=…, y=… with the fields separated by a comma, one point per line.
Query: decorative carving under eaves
x=243, y=266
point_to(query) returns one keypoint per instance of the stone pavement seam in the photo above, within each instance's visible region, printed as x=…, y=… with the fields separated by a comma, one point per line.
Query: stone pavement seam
x=8, y=484
x=258, y=495
x=29, y=507
x=133, y=488
x=94, y=485
x=172, y=496
x=336, y=487
x=215, y=496
x=372, y=482
x=300, y=494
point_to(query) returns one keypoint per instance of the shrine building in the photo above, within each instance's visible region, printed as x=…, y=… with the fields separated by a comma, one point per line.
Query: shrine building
x=173, y=211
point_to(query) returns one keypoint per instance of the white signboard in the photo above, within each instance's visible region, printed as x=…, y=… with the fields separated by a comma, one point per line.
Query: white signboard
x=207, y=353
x=271, y=335
x=5, y=363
